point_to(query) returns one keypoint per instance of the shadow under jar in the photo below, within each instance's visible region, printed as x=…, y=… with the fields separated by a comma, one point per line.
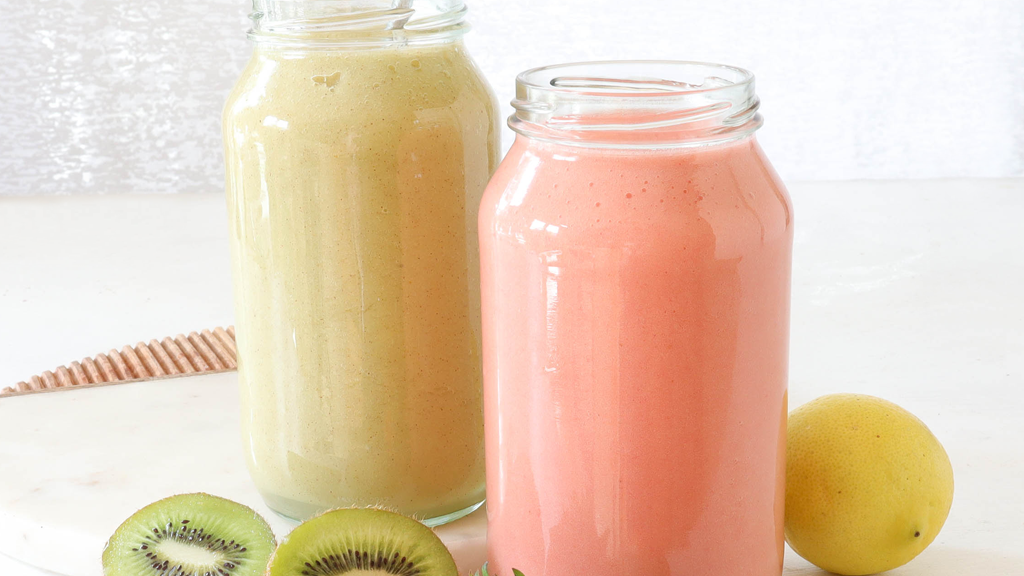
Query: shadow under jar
x=635, y=247
x=358, y=142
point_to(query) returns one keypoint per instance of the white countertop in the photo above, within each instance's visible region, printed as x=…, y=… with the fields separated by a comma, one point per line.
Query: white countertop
x=906, y=290
x=109, y=455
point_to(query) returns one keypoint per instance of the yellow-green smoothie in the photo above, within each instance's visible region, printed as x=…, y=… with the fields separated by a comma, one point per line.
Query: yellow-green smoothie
x=353, y=181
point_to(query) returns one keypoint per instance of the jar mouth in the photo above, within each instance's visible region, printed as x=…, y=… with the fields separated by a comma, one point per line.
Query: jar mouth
x=356, y=23
x=636, y=103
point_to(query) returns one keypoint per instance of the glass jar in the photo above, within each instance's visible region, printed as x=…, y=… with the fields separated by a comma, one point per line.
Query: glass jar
x=635, y=247
x=358, y=142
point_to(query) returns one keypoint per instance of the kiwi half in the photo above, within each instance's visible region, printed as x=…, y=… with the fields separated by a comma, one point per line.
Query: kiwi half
x=190, y=535
x=362, y=541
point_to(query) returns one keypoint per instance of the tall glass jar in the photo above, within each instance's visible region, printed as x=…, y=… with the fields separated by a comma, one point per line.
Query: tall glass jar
x=358, y=142
x=635, y=247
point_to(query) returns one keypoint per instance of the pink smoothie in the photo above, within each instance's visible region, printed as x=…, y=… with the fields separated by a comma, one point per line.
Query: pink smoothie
x=635, y=324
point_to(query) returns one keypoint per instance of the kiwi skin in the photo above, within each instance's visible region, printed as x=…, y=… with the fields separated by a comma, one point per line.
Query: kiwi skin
x=236, y=534
x=365, y=539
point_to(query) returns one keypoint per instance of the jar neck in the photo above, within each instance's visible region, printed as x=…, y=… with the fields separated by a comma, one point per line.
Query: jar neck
x=636, y=104
x=356, y=23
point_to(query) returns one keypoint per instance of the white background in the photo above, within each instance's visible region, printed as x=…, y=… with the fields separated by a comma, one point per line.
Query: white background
x=102, y=96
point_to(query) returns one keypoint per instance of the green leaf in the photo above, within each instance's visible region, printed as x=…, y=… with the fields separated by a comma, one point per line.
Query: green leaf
x=516, y=573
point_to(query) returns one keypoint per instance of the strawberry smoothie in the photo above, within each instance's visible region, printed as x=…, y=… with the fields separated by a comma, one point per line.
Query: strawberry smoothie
x=635, y=331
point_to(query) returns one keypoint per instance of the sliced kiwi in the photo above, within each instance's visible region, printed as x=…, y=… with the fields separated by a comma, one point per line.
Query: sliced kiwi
x=190, y=535
x=362, y=541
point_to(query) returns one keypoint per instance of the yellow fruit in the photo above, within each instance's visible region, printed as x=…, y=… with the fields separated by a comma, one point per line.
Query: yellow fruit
x=868, y=486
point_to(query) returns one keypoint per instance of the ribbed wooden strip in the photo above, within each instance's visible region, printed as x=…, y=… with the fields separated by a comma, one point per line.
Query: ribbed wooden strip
x=120, y=366
x=64, y=377
x=204, y=351
x=89, y=365
x=153, y=367
x=227, y=359
x=175, y=352
x=49, y=380
x=161, y=356
x=106, y=368
x=228, y=341
x=78, y=374
x=191, y=353
x=135, y=365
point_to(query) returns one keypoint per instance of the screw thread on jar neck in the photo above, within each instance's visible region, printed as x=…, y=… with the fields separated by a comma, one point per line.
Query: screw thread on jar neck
x=356, y=23
x=641, y=104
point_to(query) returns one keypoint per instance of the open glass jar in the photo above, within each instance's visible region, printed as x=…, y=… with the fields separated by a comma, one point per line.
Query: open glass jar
x=358, y=142
x=635, y=247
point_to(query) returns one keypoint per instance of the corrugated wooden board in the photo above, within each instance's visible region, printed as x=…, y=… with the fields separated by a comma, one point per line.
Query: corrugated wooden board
x=199, y=352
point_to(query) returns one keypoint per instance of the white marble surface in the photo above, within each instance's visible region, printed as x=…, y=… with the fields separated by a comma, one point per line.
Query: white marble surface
x=110, y=450
x=906, y=290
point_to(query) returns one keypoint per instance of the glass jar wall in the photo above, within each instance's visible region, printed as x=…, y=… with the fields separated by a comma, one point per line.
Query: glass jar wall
x=635, y=247
x=358, y=142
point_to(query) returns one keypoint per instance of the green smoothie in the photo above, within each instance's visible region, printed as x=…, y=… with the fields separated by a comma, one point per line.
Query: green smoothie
x=353, y=181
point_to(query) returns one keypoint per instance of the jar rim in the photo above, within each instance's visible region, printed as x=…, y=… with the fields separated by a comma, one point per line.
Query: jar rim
x=651, y=103
x=659, y=87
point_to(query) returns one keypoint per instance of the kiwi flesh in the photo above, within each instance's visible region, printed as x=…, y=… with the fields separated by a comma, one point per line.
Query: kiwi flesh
x=362, y=541
x=190, y=535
